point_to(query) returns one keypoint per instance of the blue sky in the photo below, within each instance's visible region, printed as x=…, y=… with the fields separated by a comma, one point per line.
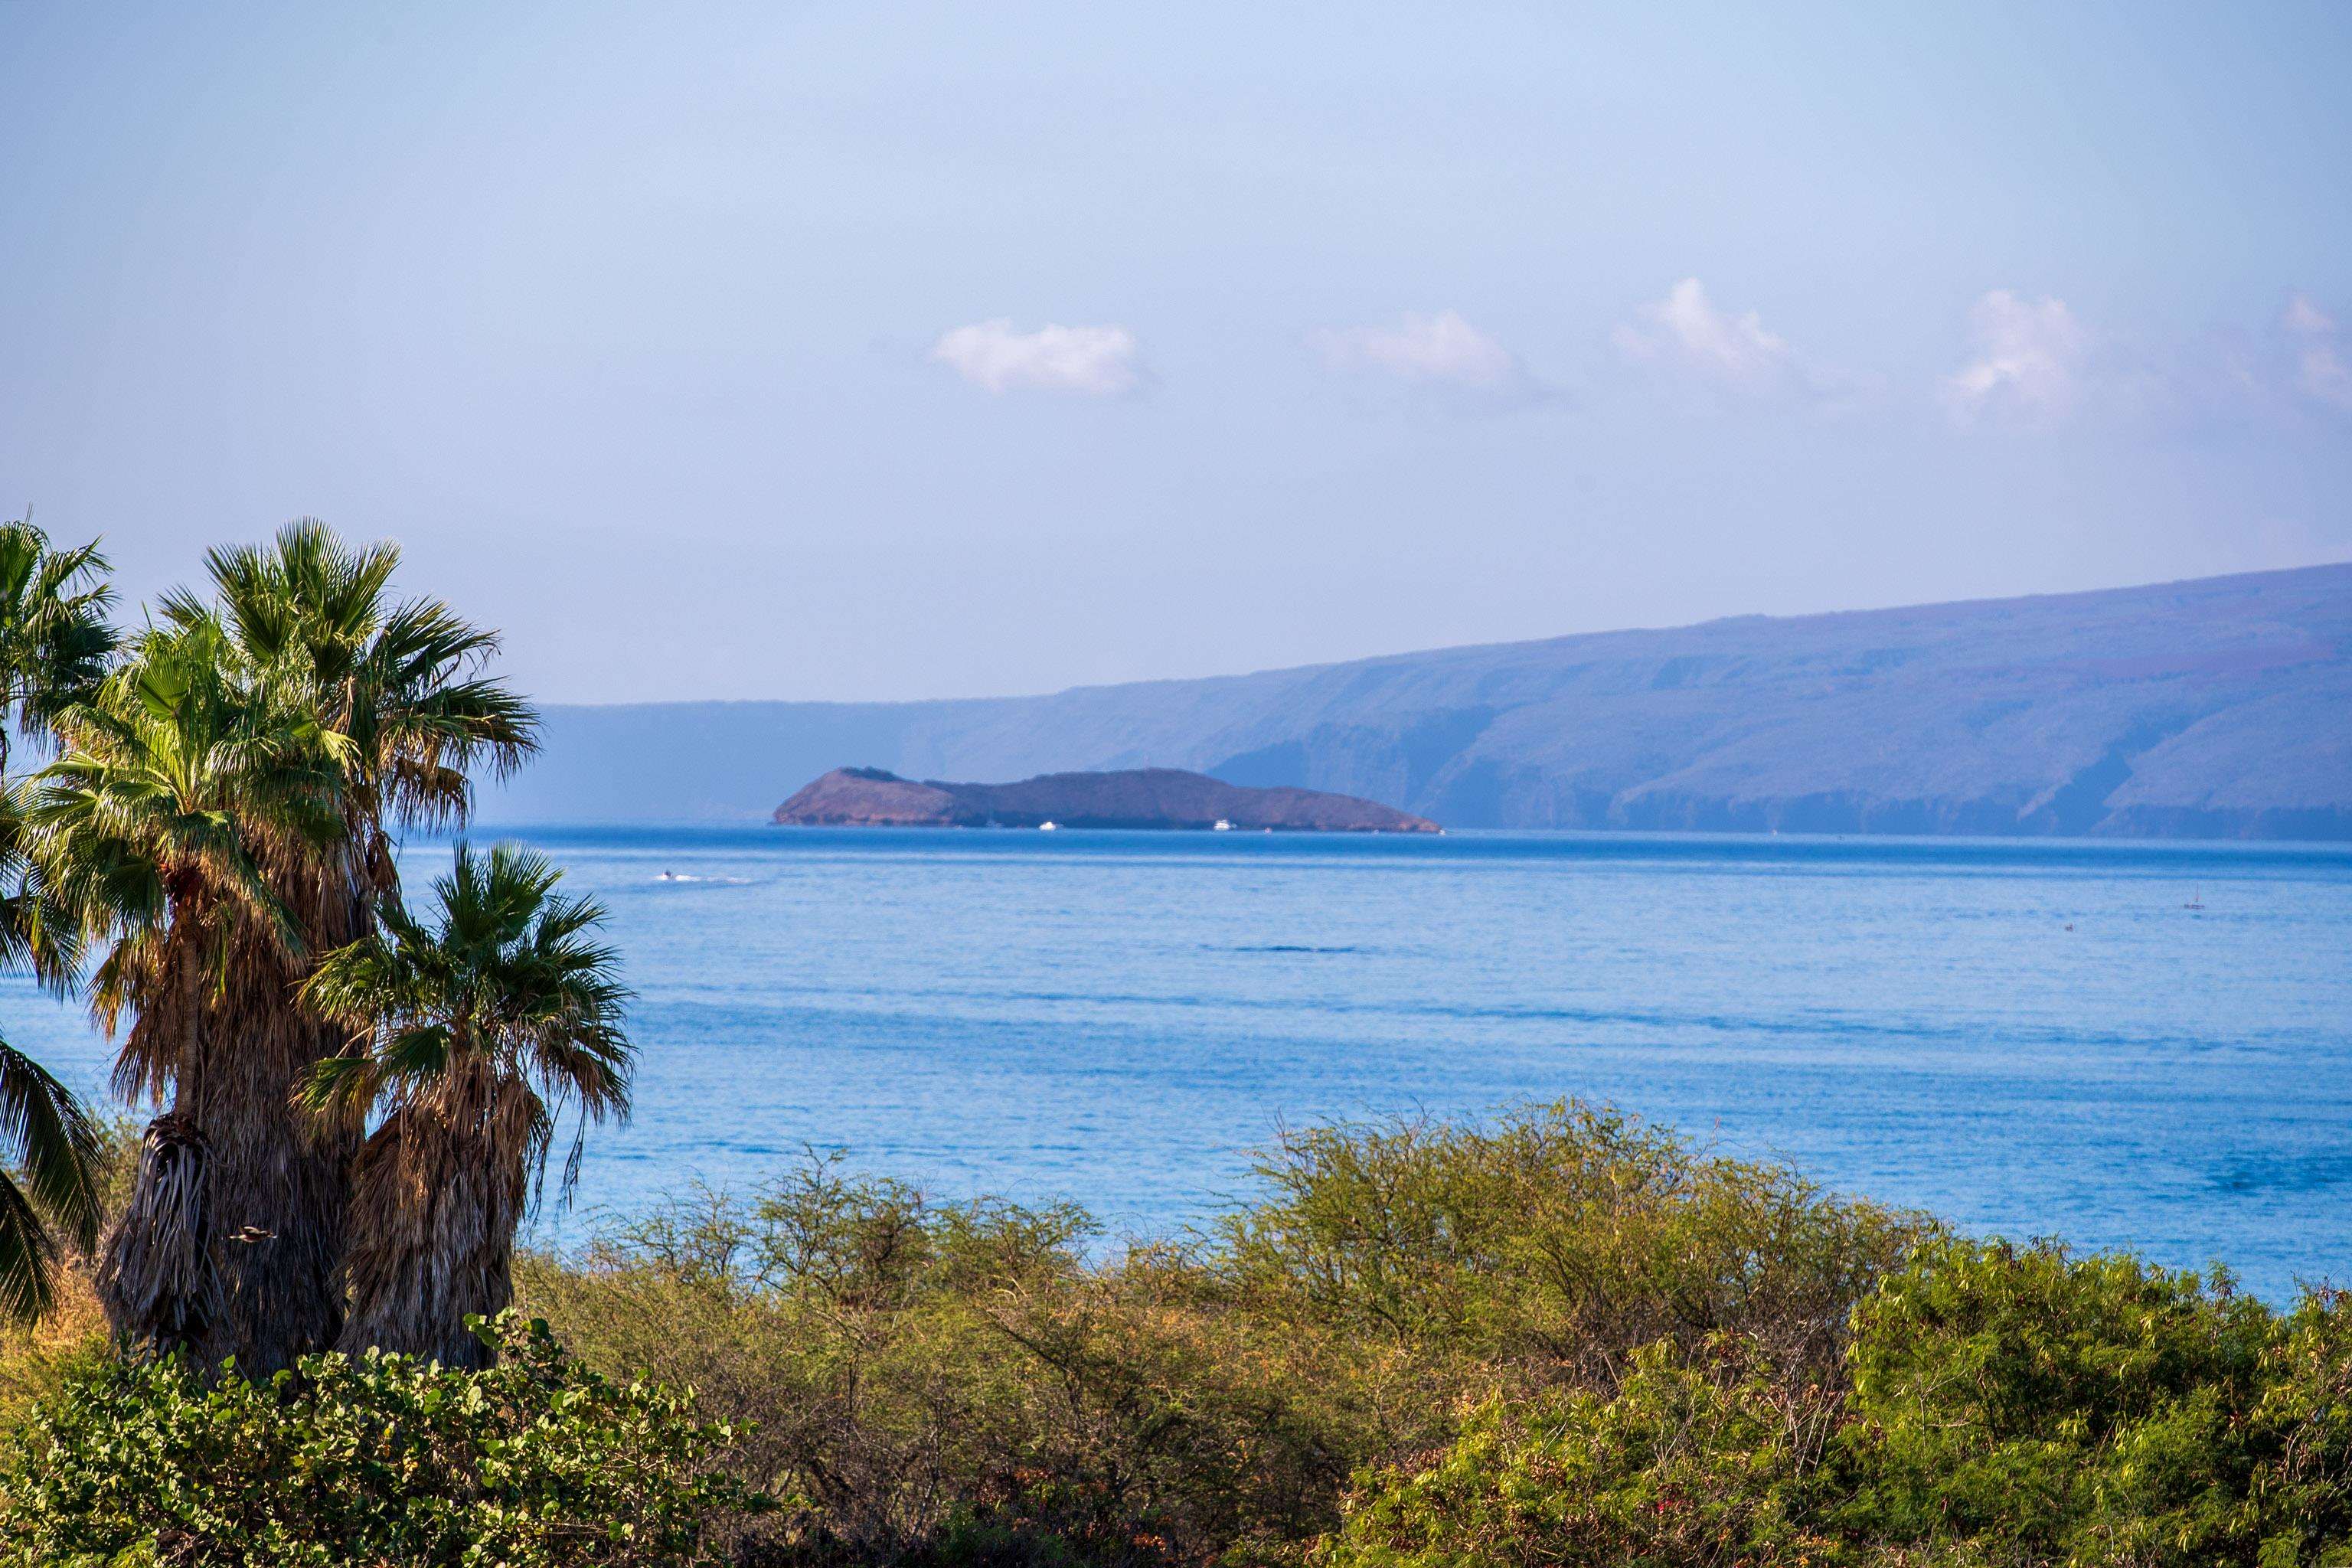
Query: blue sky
x=900, y=350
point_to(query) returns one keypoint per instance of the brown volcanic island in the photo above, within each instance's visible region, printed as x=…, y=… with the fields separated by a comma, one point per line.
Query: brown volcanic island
x=1144, y=797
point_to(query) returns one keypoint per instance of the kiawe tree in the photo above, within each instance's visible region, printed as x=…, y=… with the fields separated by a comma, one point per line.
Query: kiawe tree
x=474, y=1029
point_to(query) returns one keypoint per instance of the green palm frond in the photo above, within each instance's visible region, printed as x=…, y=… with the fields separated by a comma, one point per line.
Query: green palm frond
x=168, y=826
x=38, y=932
x=48, y=1142
x=306, y=594
x=399, y=685
x=501, y=976
x=44, y=1133
x=55, y=645
x=55, y=635
x=27, y=1257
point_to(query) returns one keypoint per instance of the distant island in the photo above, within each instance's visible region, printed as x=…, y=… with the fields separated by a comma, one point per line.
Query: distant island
x=1138, y=797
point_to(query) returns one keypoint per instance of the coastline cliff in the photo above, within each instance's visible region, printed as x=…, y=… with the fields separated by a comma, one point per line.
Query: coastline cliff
x=2218, y=709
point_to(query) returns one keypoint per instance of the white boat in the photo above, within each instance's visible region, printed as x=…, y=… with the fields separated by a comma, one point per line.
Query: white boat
x=1048, y=826
x=1224, y=826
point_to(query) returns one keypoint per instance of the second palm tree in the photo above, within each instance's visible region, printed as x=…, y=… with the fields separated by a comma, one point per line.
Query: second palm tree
x=475, y=1028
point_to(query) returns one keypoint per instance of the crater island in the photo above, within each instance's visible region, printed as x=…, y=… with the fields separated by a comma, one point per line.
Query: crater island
x=1138, y=797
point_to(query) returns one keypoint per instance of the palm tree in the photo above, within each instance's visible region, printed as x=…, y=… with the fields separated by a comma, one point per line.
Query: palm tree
x=466, y=1025
x=43, y=1131
x=54, y=644
x=55, y=638
x=309, y=650
x=183, y=802
x=401, y=681
x=310, y=622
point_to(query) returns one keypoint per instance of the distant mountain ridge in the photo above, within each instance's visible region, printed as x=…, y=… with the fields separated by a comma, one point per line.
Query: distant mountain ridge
x=2219, y=707
x=1138, y=797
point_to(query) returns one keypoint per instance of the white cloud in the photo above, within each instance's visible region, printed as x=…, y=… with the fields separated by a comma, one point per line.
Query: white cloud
x=1097, y=362
x=1685, y=331
x=2303, y=316
x=2320, y=370
x=1441, y=350
x=2030, y=358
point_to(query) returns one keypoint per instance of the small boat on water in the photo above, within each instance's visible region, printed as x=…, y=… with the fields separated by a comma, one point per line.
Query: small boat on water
x=1049, y=827
x=1222, y=826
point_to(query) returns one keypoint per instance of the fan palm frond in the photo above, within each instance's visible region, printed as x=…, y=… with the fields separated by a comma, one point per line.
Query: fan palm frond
x=474, y=1028
x=55, y=642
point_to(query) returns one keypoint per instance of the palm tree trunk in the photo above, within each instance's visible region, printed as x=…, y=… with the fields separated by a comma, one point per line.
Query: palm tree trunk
x=156, y=1277
x=438, y=1192
x=281, y=1193
x=231, y=1244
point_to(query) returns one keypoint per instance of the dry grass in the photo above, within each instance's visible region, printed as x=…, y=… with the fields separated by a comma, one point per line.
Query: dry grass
x=35, y=1360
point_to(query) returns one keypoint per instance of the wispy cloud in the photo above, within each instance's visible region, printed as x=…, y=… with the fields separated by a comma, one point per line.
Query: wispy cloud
x=1687, y=336
x=2316, y=343
x=1443, y=349
x=2035, y=362
x=1094, y=362
x=2030, y=357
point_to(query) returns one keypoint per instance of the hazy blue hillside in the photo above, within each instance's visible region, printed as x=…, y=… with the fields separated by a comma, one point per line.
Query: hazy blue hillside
x=2221, y=707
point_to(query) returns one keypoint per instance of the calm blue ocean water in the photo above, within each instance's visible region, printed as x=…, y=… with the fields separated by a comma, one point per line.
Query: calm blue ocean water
x=2129, y=1045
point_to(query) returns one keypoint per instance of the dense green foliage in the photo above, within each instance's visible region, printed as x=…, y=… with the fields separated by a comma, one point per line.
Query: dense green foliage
x=913, y=1373
x=1998, y=1406
x=1688, y=1459
x=377, y=1459
x=1558, y=1339
x=2046, y=1408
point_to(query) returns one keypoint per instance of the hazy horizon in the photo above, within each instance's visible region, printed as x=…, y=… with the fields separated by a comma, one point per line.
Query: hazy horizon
x=739, y=352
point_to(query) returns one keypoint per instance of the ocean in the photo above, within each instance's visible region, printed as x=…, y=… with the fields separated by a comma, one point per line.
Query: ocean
x=2135, y=1045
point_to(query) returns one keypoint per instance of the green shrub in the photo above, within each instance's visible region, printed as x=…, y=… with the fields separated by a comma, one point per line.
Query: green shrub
x=2053, y=1407
x=1556, y=1241
x=1688, y=1463
x=955, y=1382
x=1560, y=1338
x=1998, y=1408
x=2035, y=1406
x=535, y=1463
x=2301, y=1425
x=969, y=1379
x=1557, y=1339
